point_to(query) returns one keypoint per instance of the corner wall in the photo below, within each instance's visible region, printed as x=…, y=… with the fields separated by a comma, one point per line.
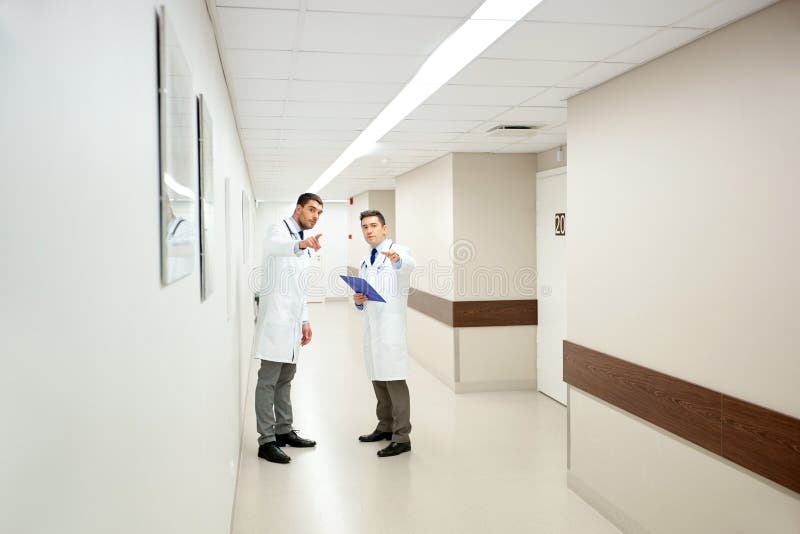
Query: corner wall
x=683, y=258
x=470, y=221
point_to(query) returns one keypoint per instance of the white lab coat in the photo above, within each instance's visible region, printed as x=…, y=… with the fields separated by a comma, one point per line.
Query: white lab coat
x=282, y=304
x=385, y=352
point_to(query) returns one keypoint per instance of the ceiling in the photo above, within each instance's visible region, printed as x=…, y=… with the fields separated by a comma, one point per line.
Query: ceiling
x=306, y=76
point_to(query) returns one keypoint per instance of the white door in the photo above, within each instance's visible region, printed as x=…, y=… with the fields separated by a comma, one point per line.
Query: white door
x=551, y=207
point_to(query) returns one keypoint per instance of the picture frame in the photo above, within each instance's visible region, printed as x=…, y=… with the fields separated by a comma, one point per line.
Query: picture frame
x=205, y=159
x=177, y=167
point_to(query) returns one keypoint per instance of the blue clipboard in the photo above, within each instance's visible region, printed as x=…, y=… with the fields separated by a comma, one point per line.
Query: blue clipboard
x=360, y=285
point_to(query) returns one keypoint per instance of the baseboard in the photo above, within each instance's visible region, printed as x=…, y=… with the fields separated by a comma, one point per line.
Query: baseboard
x=495, y=385
x=614, y=514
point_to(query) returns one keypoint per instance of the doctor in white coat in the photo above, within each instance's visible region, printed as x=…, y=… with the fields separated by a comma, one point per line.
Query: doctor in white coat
x=282, y=326
x=388, y=269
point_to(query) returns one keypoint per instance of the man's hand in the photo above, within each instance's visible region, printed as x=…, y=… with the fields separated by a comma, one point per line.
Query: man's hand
x=360, y=298
x=306, y=335
x=393, y=256
x=311, y=242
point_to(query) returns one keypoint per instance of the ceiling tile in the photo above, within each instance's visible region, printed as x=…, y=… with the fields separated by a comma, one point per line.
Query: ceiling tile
x=659, y=44
x=302, y=123
x=565, y=42
x=623, y=12
x=409, y=125
x=483, y=71
x=340, y=32
x=439, y=8
x=309, y=135
x=483, y=138
x=439, y=112
x=526, y=148
x=401, y=137
x=328, y=109
x=257, y=89
x=561, y=128
x=259, y=143
x=482, y=95
x=258, y=63
x=248, y=133
x=534, y=115
x=313, y=145
x=263, y=4
x=356, y=67
x=724, y=12
x=303, y=91
x=553, y=97
x=257, y=28
x=260, y=108
x=478, y=147
x=599, y=73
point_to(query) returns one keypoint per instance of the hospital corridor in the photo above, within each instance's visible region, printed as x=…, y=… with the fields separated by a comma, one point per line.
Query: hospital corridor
x=399, y=267
x=480, y=462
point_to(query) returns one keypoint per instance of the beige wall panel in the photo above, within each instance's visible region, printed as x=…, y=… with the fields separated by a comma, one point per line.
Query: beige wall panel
x=432, y=345
x=548, y=159
x=494, y=199
x=424, y=213
x=682, y=247
x=383, y=201
x=666, y=484
x=497, y=353
x=682, y=257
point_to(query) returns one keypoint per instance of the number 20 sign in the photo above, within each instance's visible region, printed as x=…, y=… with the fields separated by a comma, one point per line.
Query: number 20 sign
x=560, y=220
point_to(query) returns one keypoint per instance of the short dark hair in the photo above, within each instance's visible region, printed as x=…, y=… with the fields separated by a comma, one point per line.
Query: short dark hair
x=373, y=213
x=305, y=198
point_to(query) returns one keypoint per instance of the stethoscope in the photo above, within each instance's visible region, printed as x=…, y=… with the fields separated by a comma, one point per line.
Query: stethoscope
x=383, y=261
x=295, y=236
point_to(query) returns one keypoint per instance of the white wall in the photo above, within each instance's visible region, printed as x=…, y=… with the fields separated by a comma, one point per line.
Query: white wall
x=683, y=257
x=119, y=398
x=333, y=225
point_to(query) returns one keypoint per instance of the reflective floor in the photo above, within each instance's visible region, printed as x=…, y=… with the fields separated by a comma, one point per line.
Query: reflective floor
x=481, y=462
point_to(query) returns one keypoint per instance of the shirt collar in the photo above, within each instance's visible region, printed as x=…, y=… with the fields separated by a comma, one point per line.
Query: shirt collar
x=293, y=225
x=383, y=245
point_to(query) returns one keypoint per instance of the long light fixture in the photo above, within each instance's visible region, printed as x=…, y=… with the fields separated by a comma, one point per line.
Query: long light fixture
x=492, y=19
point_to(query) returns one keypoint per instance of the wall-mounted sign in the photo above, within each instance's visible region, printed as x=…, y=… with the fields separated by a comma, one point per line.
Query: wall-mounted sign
x=561, y=229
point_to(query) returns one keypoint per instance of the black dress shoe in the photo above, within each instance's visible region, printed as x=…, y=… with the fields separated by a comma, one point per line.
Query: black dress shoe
x=293, y=440
x=375, y=436
x=271, y=453
x=394, y=449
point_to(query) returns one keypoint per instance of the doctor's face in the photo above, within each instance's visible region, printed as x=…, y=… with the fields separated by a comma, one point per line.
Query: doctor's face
x=374, y=231
x=308, y=215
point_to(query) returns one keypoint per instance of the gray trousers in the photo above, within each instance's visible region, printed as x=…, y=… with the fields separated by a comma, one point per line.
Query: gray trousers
x=393, y=409
x=273, y=399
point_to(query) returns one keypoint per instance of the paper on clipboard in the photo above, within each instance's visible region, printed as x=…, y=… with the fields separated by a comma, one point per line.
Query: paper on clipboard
x=360, y=285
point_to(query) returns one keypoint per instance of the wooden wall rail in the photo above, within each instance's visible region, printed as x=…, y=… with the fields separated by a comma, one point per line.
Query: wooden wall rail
x=463, y=313
x=759, y=439
x=471, y=312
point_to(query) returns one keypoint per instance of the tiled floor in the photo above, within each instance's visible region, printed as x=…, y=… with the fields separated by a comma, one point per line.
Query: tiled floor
x=481, y=463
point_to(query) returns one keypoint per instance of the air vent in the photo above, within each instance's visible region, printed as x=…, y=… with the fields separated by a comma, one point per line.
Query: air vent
x=513, y=130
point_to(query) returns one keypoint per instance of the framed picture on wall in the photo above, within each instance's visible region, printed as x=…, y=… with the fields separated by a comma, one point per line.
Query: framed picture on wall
x=205, y=151
x=247, y=219
x=177, y=162
x=229, y=263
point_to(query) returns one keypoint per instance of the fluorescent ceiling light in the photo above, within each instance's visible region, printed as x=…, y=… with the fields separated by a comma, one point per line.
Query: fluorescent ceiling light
x=492, y=19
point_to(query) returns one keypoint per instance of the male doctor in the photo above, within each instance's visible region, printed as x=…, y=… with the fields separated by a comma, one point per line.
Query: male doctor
x=388, y=269
x=282, y=326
